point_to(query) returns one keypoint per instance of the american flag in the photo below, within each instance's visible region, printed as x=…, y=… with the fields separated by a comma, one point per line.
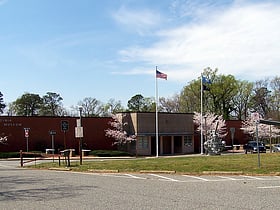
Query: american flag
x=161, y=75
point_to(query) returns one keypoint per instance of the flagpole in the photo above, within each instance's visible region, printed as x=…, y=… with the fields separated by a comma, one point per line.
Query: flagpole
x=201, y=116
x=156, y=114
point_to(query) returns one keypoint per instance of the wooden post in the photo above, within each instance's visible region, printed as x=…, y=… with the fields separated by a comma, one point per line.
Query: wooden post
x=68, y=157
x=21, y=158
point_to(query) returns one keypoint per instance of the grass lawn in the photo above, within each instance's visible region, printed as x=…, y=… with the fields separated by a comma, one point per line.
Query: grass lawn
x=248, y=164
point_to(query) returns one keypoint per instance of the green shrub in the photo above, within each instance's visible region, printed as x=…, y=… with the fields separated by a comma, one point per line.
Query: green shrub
x=9, y=154
x=16, y=154
x=109, y=153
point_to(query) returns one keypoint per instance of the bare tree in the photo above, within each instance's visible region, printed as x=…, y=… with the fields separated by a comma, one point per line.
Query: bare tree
x=91, y=107
x=170, y=104
x=112, y=107
x=2, y=105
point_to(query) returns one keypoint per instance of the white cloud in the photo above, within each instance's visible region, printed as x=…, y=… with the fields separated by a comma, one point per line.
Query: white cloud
x=195, y=9
x=135, y=71
x=140, y=21
x=242, y=40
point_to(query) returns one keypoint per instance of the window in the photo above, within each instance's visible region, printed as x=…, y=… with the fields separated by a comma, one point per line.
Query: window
x=143, y=142
x=188, y=140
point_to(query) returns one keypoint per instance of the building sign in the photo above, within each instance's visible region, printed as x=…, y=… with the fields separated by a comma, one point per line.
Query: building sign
x=26, y=132
x=64, y=125
x=79, y=132
x=9, y=123
x=52, y=132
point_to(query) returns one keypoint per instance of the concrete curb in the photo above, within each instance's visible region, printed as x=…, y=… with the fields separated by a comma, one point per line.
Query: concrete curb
x=222, y=172
x=103, y=171
x=60, y=169
x=275, y=174
x=157, y=172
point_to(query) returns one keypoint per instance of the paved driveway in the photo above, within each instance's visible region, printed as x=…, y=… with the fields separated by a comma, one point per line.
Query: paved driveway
x=38, y=189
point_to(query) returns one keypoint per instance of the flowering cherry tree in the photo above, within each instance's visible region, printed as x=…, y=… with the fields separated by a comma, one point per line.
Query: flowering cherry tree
x=210, y=122
x=117, y=131
x=264, y=131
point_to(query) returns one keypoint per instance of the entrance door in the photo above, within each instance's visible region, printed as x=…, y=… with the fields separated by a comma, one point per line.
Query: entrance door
x=166, y=144
x=153, y=146
x=178, y=144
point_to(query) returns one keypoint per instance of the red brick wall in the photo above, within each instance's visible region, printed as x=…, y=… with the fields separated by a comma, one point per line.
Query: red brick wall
x=94, y=135
x=239, y=136
x=40, y=139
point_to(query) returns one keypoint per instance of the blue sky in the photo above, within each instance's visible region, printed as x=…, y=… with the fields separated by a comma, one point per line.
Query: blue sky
x=110, y=48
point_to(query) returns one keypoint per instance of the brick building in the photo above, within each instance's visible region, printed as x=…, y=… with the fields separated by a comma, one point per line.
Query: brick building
x=39, y=137
x=177, y=134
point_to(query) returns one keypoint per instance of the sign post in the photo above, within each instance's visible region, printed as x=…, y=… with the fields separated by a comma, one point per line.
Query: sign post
x=64, y=128
x=52, y=133
x=232, y=131
x=26, y=135
x=79, y=134
x=256, y=117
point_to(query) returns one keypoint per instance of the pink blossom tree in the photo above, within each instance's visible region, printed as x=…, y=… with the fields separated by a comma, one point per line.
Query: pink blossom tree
x=210, y=122
x=117, y=131
x=264, y=131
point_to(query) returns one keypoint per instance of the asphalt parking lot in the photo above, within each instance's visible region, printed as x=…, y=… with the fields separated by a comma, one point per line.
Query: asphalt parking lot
x=45, y=189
